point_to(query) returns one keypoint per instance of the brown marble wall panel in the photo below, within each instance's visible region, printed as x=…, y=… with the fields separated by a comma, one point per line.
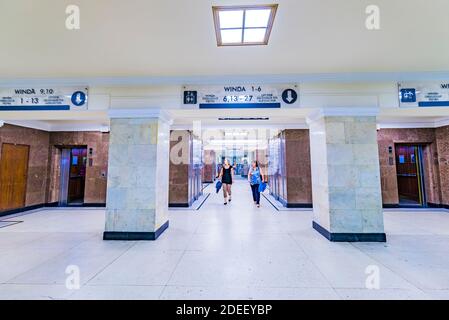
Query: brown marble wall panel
x=432, y=174
x=208, y=174
x=38, y=141
x=442, y=137
x=96, y=181
x=179, y=172
x=262, y=157
x=388, y=138
x=298, y=166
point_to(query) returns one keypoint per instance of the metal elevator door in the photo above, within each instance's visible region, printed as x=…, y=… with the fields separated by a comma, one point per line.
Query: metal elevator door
x=65, y=176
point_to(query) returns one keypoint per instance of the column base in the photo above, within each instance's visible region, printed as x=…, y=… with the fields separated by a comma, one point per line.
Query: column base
x=350, y=237
x=179, y=205
x=134, y=236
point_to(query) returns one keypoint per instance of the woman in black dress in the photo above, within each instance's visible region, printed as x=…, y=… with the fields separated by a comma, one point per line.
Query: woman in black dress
x=227, y=175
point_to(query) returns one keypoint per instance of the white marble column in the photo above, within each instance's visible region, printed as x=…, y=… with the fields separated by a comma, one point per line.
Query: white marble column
x=347, y=201
x=137, y=191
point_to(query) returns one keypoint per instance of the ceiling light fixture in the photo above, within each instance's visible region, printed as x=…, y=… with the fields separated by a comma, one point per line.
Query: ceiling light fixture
x=243, y=25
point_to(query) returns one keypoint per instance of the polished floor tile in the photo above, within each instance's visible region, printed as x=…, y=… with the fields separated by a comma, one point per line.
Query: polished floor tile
x=382, y=294
x=89, y=259
x=282, y=269
x=91, y=292
x=19, y=260
x=33, y=292
x=140, y=267
x=247, y=293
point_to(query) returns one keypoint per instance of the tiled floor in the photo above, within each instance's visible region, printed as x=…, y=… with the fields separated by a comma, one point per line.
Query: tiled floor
x=223, y=252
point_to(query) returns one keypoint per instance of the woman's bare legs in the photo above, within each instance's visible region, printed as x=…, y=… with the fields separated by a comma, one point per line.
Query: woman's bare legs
x=226, y=192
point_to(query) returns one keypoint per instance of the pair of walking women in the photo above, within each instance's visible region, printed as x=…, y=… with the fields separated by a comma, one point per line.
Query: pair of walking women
x=255, y=178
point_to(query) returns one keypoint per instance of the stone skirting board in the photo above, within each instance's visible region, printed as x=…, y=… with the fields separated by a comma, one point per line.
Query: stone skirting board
x=294, y=204
x=179, y=205
x=135, y=236
x=350, y=237
x=20, y=210
x=299, y=205
x=49, y=205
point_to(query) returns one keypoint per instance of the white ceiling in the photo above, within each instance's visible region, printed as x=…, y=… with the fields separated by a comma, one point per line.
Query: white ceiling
x=176, y=38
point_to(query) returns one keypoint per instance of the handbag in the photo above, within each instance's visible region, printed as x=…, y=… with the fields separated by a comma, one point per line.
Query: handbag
x=262, y=186
x=218, y=185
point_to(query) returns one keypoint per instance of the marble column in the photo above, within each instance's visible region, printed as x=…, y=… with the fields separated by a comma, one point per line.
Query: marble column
x=137, y=188
x=347, y=201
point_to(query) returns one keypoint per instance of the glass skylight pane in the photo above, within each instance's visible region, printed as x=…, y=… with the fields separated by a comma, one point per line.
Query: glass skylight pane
x=231, y=19
x=231, y=36
x=257, y=18
x=254, y=35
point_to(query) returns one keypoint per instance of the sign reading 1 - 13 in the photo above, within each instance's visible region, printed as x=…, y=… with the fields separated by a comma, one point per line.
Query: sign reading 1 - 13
x=241, y=96
x=43, y=98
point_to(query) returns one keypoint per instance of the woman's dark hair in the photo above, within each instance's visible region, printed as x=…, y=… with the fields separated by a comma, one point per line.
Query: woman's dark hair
x=257, y=163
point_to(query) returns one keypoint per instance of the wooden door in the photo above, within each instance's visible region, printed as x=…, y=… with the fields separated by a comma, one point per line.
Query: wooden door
x=407, y=167
x=13, y=176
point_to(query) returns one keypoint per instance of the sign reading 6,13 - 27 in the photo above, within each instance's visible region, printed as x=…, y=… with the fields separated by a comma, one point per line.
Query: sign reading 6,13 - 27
x=43, y=98
x=242, y=96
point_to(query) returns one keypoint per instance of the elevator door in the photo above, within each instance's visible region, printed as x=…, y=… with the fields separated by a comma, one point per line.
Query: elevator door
x=409, y=174
x=13, y=176
x=77, y=178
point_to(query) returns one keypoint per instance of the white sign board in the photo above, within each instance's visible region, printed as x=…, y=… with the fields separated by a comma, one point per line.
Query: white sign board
x=241, y=96
x=424, y=94
x=43, y=98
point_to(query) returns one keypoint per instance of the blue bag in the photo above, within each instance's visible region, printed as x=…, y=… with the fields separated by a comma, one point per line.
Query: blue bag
x=262, y=186
x=218, y=185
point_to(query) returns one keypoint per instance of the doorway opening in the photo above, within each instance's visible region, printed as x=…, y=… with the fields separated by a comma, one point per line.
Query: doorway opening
x=73, y=175
x=410, y=175
x=13, y=176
